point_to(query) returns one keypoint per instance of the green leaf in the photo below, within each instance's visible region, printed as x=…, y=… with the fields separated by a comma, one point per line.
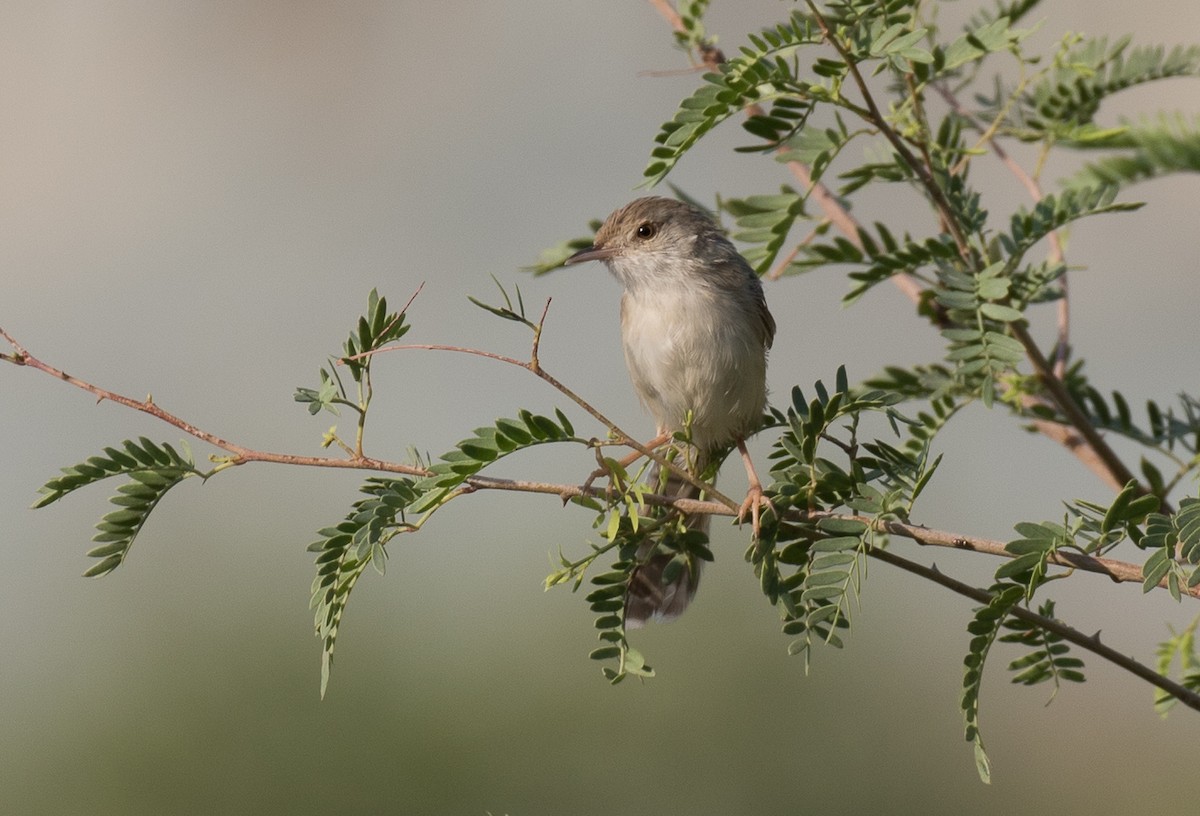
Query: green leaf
x=344, y=551
x=1072, y=94
x=765, y=220
x=988, y=37
x=1055, y=211
x=152, y=470
x=1150, y=149
x=489, y=444
x=851, y=527
x=997, y=311
x=374, y=330
x=1155, y=569
x=984, y=628
x=757, y=75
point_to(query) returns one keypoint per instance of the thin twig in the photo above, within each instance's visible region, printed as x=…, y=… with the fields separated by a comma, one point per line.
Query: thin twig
x=534, y=364
x=781, y=266
x=536, y=369
x=147, y=406
x=1070, y=409
x=669, y=14
x=400, y=314
x=783, y=263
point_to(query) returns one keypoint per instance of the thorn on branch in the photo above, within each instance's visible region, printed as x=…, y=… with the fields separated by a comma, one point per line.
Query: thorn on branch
x=400, y=314
x=534, y=365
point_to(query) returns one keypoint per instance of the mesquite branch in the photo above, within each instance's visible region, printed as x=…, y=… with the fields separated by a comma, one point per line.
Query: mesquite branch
x=1090, y=642
x=1118, y=571
x=1076, y=432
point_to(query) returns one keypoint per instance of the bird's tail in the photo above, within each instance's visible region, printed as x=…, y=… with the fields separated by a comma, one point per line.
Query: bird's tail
x=652, y=595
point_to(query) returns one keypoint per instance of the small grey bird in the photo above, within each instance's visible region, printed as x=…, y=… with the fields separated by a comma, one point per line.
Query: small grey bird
x=696, y=330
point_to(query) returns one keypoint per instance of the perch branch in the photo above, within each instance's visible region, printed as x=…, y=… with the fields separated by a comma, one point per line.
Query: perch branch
x=1119, y=571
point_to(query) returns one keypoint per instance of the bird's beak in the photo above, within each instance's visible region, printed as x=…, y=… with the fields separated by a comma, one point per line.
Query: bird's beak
x=592, y=253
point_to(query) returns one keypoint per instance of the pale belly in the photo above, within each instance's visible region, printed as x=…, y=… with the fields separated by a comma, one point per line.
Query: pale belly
x=686, y=354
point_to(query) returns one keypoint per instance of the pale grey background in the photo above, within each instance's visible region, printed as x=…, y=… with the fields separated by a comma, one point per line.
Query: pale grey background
x=197, y=198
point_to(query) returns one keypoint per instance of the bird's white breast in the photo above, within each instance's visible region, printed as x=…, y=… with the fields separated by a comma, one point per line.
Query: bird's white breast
x=690, y=348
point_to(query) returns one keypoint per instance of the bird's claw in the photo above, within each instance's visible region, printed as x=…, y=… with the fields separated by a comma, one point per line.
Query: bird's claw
x=595, y=474
x=754, y=503
x=606, y=469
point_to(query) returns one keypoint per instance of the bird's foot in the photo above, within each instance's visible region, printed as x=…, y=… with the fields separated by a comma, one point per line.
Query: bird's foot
x=754, y=504
x=613, y=479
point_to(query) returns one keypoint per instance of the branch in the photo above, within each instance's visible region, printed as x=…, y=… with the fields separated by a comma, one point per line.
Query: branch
x=876, y=118
x=1185, y=695
x=1119, y=571
x=1116, y=470
x=147, y=406
x=355, y=461
x=534, y=367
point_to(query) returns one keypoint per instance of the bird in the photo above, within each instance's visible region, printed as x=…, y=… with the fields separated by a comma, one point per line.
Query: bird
x=696, y=331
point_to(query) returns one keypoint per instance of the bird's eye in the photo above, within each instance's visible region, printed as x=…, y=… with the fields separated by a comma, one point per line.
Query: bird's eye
x=647, y=230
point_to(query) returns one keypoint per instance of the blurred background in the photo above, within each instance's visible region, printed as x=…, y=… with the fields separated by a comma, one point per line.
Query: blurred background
x=198, y=197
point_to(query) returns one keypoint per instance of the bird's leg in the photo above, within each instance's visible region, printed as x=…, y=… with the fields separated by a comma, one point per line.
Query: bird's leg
x=755, y=500
x=605, y=470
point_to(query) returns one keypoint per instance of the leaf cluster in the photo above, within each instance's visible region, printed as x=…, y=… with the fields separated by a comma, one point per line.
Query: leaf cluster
x=374, y=330
x=1174, y=545
x=1068, y=97
x=661, y=534
x=1141, y=152
x=750, y=78
x=344, y=551
x=812, y=570
x=152, y=468
x=984, y=628
x=1181, y=648
x=693, y=37
x=487, y=445
x=1171, y=434
x=1048, y=658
